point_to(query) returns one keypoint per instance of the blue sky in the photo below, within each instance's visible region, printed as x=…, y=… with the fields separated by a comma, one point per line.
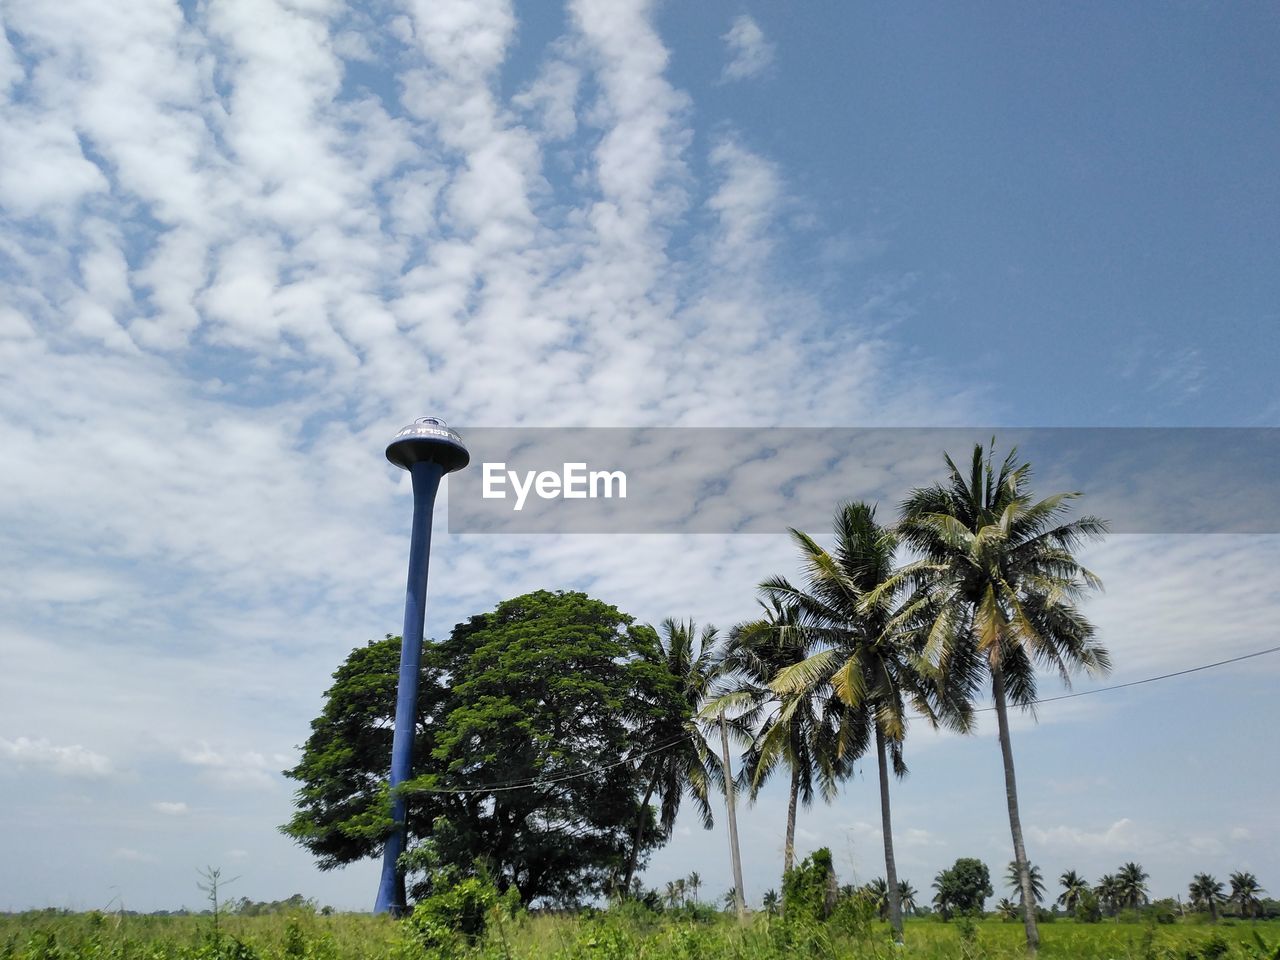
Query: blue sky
x=244, y=241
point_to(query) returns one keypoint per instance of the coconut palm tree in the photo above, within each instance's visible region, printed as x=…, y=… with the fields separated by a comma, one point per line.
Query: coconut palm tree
x=1006, y=909
x=907, y=897
x=846, y=611
x=1244, y=892
x=1109, y=895
x=672, y=750
x=1133, y=885
x=877, y=892
x=997, y=582
x=695, y=881
x=672, y=894
x=1206, y=893
x=770, y=902
x=1074, y=887
x=798, y=731
x=1014, y=880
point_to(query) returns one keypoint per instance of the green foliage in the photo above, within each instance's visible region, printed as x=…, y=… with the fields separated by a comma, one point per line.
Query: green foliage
x=343, y=809
x=963, y=888
x=454, y=915
x=1088, y=908
x=808, y=890
x=1014, y=882
x=625, y=931
x=1215, y=947
x=542, y=688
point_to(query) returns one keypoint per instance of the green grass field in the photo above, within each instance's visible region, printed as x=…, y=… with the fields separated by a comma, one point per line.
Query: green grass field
x=303, y=936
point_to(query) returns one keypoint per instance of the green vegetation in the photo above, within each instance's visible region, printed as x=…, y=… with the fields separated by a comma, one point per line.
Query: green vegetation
x=557, y=739
x=633, y=931
x=547, y=685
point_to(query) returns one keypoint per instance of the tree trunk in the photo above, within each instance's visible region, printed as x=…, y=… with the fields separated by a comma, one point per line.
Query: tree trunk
x=638, y=837
x=1015, y=822
x=886, y=829
x=789, y=848
x=730, y=789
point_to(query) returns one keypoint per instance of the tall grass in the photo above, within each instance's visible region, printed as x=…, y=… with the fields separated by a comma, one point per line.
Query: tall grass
x=609, y=935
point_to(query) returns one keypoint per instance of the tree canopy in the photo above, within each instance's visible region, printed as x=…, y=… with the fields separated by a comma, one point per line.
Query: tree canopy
x=526, y=758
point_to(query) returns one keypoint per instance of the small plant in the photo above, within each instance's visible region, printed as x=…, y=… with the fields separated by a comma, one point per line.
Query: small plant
x=455, y=914
x=295, y=944
x=1215, y=947
x=213, y=883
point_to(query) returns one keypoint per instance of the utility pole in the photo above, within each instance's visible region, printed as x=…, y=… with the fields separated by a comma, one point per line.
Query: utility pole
x=730, y=789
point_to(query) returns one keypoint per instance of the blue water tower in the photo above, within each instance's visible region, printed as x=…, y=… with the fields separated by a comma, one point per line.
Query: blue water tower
x=428, y=449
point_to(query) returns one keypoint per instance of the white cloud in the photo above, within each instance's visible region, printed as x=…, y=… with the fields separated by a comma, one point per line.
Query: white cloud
x=247, y=768
x=744, y=204
x=170, y=808
x=69, y=761
x=134, y=856
x=232, y=273
x=750, y=53
x=1115, y=838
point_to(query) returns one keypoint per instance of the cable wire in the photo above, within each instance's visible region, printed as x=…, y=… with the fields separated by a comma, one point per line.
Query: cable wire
x=590, y=771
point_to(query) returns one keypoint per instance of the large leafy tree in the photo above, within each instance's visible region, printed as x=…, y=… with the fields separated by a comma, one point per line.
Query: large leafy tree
x=342, y=805
x=672, y=756
x=846, y=610
x=526, y=716
x=998, y=580
x=962, y=888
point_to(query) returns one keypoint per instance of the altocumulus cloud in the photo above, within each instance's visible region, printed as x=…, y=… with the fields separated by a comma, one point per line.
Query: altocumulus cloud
x=69, y=761
x=244, y=241
x=750, y=53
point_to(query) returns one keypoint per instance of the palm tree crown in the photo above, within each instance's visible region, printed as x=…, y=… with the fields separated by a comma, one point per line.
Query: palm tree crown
x=1074, y=887
x=1014, y=880
x=907, y=897
x=1206, y=893
x=847, y=614
x=1244, y=892
x=1108, y=891
x=677, y=758
x=1133, y=885
x=994, y=591
x=799, y=731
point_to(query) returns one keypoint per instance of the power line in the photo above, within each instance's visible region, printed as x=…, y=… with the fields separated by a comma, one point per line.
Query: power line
x=590, y=771
x=526, y=784
x=1135, y=683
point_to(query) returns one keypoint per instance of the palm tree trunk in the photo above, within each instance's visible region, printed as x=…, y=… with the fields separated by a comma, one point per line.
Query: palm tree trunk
x=638, y=837
x=739, y=900
x=789, y=848
x=1015, y=821
x=886, y=829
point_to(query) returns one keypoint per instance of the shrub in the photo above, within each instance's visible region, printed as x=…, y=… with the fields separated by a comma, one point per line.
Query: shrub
x=1215, y=947
x=1088, y=909
x=454, y=914
x=807, y=890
